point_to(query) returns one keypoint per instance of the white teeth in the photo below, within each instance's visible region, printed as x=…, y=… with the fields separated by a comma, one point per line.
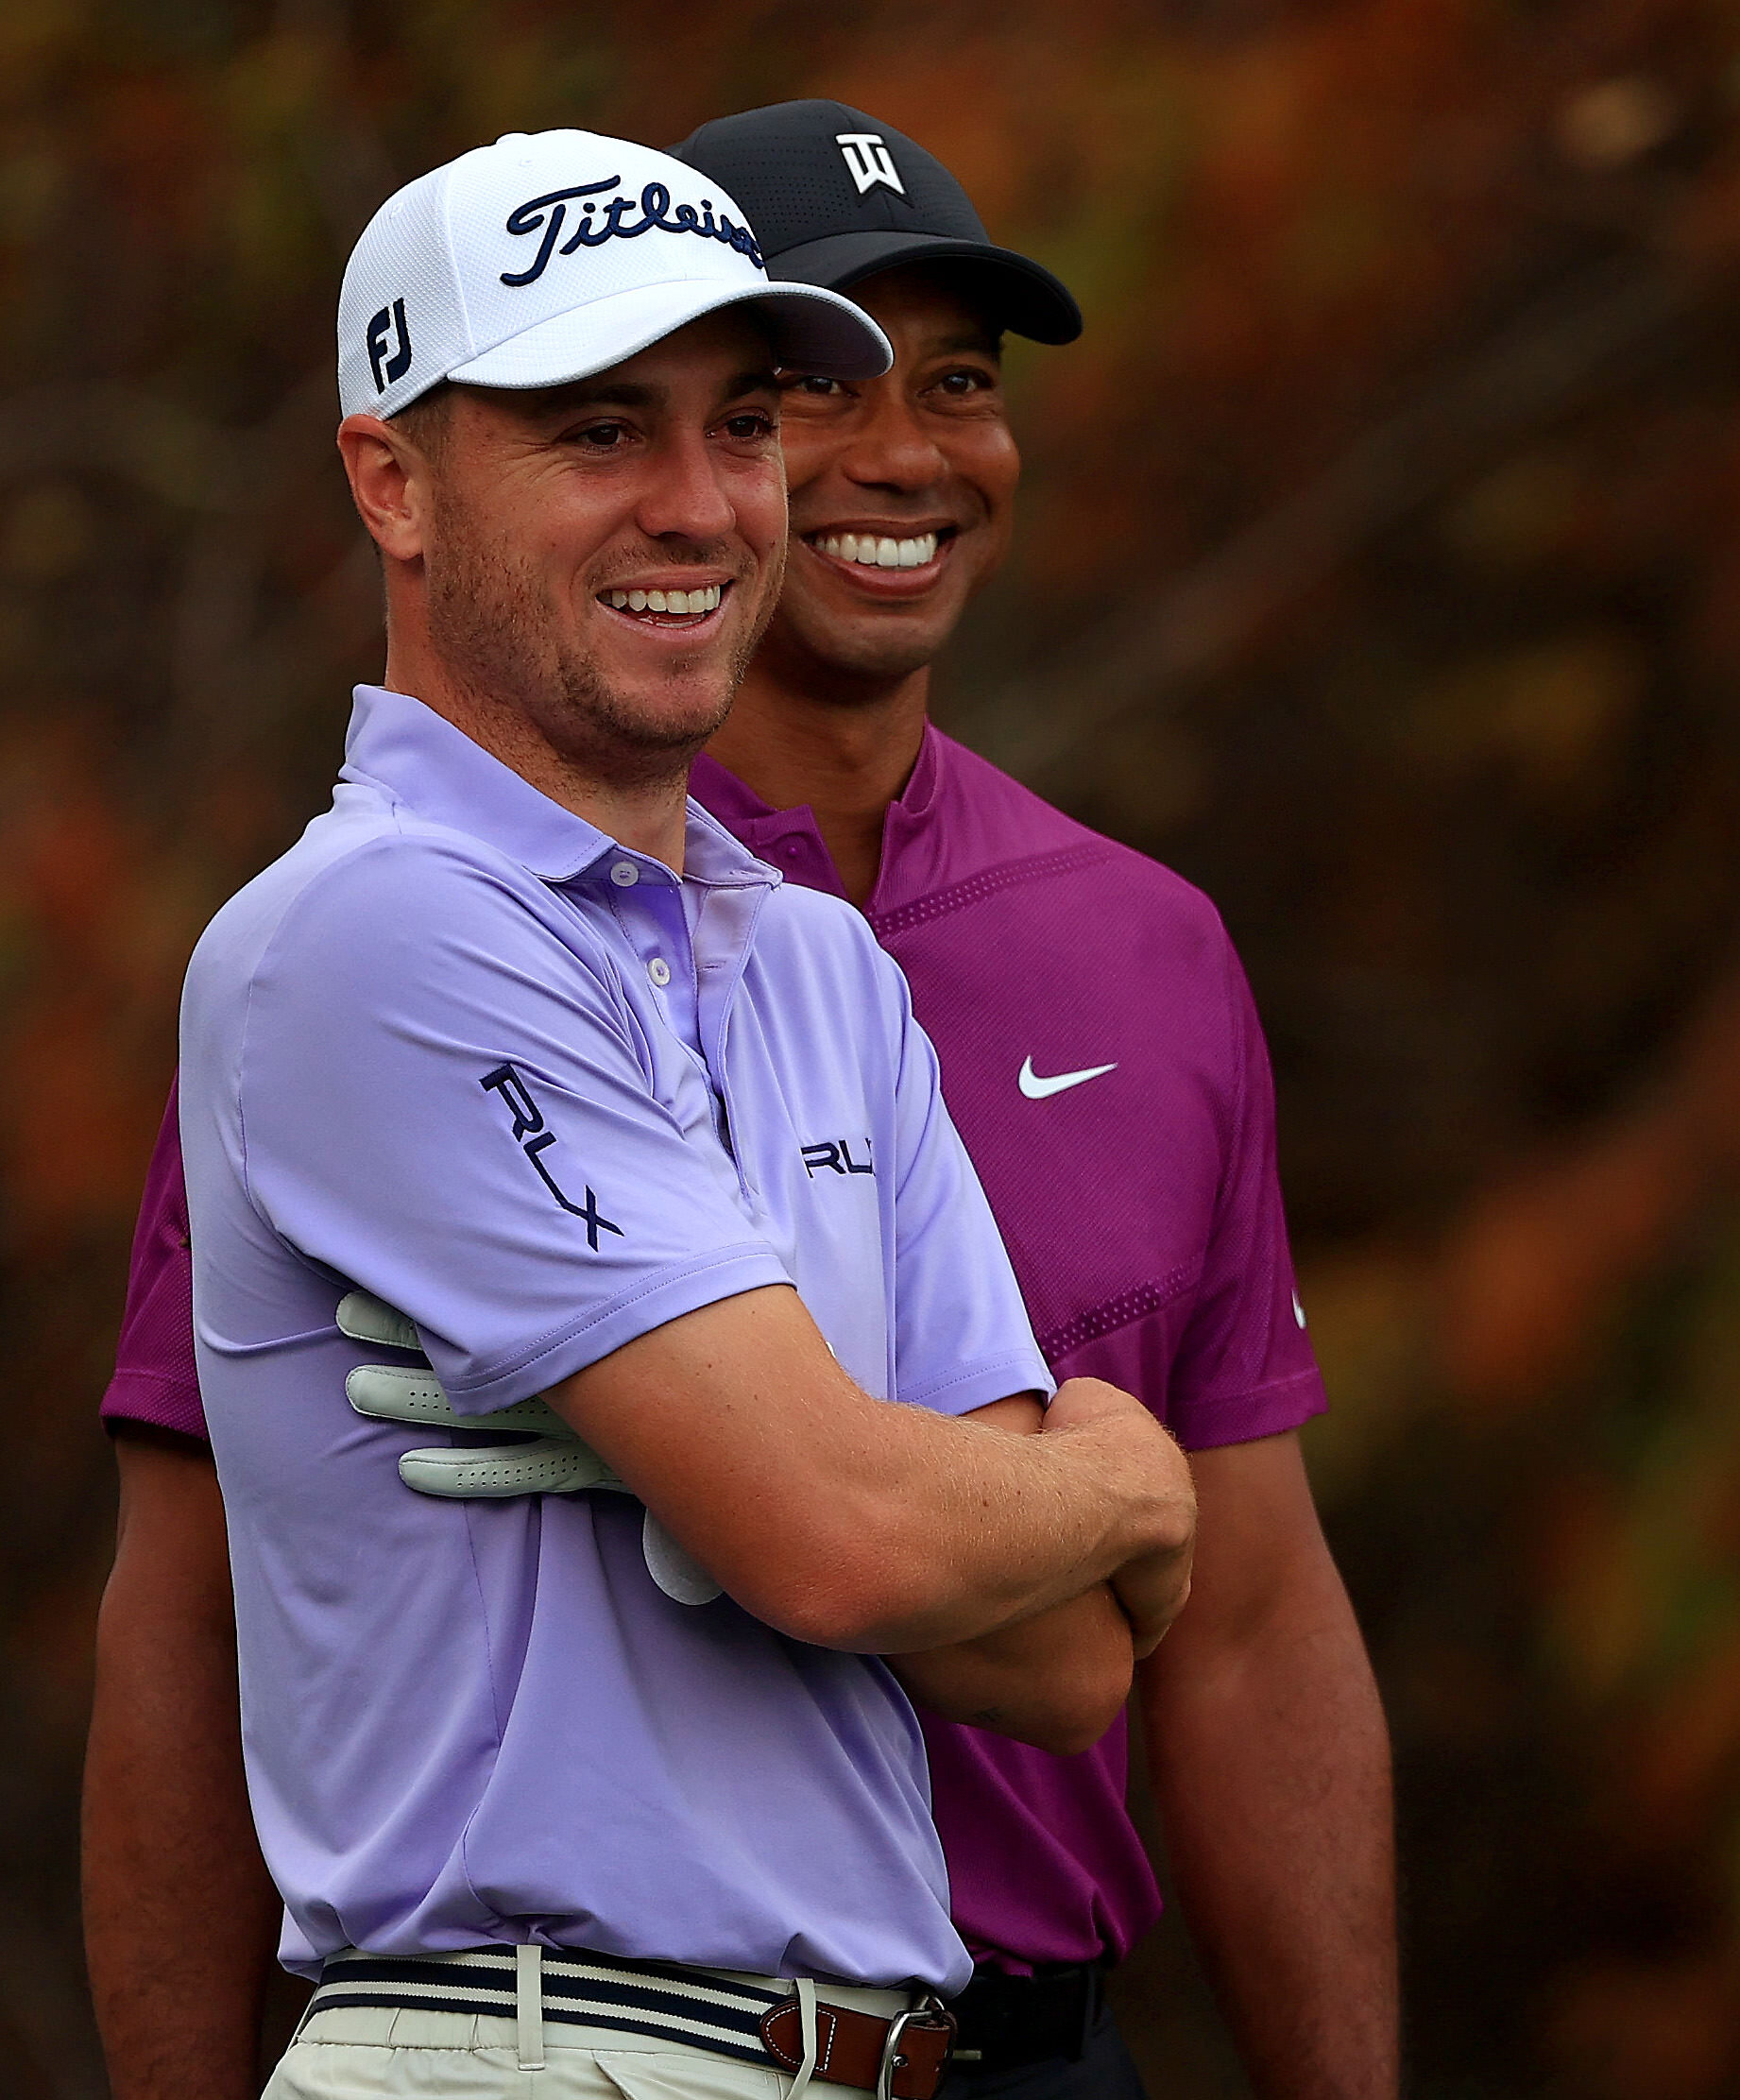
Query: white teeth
x=872, y=552
x=684, y=602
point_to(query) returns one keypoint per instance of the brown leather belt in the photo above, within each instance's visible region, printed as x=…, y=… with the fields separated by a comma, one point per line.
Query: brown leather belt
x=748, y=2018
x=901, y=2058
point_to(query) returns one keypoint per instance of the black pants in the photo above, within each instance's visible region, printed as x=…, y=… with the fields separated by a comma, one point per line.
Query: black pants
x=1107, y=2071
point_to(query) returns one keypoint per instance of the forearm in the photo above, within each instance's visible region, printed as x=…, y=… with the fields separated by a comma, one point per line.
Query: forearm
x=1057, y=1680
x=967, y=1533
x=857, y=1524
x=1270, y=1762
x=180, y=1915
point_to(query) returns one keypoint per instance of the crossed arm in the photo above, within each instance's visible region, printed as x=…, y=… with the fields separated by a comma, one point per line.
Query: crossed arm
x=859, y=1523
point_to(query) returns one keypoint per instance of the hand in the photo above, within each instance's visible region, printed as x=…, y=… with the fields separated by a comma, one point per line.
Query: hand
x=1152, y=1591
x=1153, y=1584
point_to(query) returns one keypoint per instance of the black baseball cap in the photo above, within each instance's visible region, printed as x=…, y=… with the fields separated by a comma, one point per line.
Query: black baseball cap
x=835, y=196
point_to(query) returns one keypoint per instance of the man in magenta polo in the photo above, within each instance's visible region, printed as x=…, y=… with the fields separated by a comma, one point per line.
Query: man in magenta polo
x=1101, y=1058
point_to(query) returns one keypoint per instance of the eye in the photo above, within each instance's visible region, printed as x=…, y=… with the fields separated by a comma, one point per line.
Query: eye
x=964, y=381
x=811, y=384
x=600, y=437
x=748, y=425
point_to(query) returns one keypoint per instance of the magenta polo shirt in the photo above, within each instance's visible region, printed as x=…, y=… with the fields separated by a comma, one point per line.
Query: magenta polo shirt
x=1140, y=1206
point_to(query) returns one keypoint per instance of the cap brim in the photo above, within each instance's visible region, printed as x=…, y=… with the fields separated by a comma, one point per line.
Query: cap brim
x=1019, y=294
x=810, y=326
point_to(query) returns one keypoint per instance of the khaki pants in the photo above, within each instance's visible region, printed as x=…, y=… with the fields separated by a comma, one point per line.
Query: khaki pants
x=374, y=2053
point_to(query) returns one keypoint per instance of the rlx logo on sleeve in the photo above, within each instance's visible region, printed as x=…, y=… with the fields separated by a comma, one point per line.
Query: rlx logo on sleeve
x=535, y=1139
x=386, y=367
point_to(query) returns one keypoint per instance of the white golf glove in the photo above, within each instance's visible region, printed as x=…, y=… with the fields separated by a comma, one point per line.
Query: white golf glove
x=555, y=1461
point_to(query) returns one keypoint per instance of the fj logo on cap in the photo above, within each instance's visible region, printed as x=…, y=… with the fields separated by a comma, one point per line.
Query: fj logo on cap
x=387, y=369
x=867, y=161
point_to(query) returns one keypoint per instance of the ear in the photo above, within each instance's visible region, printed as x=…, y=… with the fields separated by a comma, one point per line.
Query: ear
x=389, y=484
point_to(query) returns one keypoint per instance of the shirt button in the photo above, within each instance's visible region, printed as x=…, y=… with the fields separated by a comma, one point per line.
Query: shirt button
x=659, y=971
x=624, y=874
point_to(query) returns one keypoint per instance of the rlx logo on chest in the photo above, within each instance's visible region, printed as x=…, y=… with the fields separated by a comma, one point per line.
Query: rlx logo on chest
x=535, y=1139
x=835, y=1155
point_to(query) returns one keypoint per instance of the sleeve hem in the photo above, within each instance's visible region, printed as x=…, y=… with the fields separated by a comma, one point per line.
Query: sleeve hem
x=159, y=1402
x=626, y=1319
x=1242, y=1418
x=991, y=1379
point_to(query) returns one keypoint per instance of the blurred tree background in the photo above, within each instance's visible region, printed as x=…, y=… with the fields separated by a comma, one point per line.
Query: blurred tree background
x=1380, y=570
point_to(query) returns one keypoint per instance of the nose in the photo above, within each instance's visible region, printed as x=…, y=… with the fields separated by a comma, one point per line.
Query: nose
x=892, y=450
x=683, y=497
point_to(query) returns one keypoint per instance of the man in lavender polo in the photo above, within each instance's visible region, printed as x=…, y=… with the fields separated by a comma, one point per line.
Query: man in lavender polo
x=1120, y=1075
x=518, y=1040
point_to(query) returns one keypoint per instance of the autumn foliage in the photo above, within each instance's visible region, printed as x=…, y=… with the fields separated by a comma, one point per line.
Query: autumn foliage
x=1379, y=569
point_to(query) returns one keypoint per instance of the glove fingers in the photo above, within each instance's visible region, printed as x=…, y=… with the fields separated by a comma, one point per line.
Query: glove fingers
x=553, y=1465
x=363, y=1317
x=678, y=1572
x=398, y=1392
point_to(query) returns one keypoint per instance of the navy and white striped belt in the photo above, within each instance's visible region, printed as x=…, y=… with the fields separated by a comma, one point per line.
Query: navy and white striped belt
x=760, y=2022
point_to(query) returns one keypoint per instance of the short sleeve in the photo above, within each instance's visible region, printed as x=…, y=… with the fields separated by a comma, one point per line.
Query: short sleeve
x=1245, y=1366
x=444, y=1097
x=962, y=1334
x=154, y=1380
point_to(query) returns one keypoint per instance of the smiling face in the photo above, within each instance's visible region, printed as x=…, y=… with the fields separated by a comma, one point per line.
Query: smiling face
x=599, y=559
x=901, y=492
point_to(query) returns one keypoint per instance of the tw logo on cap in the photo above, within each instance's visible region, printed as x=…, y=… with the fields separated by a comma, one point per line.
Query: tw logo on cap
x=388, y=369
x=868, y=162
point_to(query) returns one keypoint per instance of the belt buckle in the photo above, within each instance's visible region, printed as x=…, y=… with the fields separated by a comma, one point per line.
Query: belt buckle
x=927, y=2007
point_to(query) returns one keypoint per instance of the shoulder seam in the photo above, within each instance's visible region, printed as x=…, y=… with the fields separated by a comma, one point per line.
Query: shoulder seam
x=987, y=883
x=1123, y=1311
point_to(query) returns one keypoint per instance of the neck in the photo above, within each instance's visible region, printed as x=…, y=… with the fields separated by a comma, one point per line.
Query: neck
x=639, y=804
x=848, y=760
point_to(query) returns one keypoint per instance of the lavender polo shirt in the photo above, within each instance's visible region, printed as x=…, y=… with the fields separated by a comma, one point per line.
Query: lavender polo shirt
x=458, y=1048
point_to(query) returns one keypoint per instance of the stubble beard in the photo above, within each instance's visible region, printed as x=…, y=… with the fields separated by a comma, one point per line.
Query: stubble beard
x=500, y=644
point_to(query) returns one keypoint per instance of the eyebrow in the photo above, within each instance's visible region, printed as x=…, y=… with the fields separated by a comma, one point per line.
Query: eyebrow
x=973, y=339
x=759, y=379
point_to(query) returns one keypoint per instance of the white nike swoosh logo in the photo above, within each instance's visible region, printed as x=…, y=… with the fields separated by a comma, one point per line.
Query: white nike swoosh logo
x=1037, y=1089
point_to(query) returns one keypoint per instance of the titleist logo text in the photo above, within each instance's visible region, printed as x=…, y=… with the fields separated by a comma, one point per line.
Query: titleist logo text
x=610, y=221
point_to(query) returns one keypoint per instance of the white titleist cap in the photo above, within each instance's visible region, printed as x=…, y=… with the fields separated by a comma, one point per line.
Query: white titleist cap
x=547, y=257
